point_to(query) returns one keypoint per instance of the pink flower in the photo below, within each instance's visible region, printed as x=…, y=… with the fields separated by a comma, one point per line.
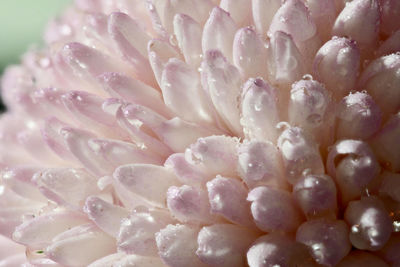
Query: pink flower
x=205, y=133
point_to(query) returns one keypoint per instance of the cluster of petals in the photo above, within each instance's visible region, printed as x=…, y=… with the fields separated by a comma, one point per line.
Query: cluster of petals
x=219, y=133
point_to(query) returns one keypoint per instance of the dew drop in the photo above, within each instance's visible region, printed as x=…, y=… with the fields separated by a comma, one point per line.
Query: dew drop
x=283, y=125
x=308, y=77
x=396, y=226
x=355, y=229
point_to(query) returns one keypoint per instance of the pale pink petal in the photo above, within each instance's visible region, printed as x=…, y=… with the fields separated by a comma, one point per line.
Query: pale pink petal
x=80, y=246
x=390, y=10
x=353, y=166
x=183, y=94
x=381, y=80
x=260, y=164
x=105, y=215
x=228, y=198
x=390, y=185
x=218, y=33
x=316, y=195
x=327, y=240
x=77, y=142
x=70, y=185
x=159, y=53
x=136, y=235
x=386, y=144
x=323, y=12
x=131, y=42
x=38, y=232
x=12, y=247
x=14, y=260
x=390, y=45
x=358, y=117
x=285, y=63
x=19, y=179
x=215, y=155
x=224, y=245
x=274, y=209
x=223, y=82
x=249, y=53
x=239, y=10
x=337, y=64
x=259, y=99
x=311, y=108
x=177, y=245
x=370, y=223
x=139, y=261
x=263, y=13
x=190, y=205
x=299, y=153
x=107, y=260
x=148, y=181
x=294, y=19
x=188, y=34
x=134, y=91
x=359, y=20
x=187, y=173
x=277, y=249
x=119, y=153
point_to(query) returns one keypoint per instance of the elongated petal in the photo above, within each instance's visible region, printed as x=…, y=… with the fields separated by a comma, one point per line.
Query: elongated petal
x=228, y=198
x=360, y=21
x=274, y=209
x=391, y=185
x=316, y=195
x=337, y=64
x=218, y=33
x=39, y=232
x=370, y=223
x=223, y=245
x=299, y=153
x=359, y=117
x=390, y=45
x=71, y=185
x=182, y=92
x=323, y=12
x=277, y=249
x=187, y=173
x=136, y=235
x=293, y=18
x=177, y=245
x=80, y=246
x=147, y=181
x=258, y=100
x=77, y=142
x=222, y=81
x=263, y=13
x=188, y=34
x=381, y=80
x=310, y=107
x=390, y=9
x=386, y=144
x=260, y=164
x=214, y=155
x=327, y=240
x=358, y=157
x=105, y=215
x=249, y=53
x=134, y=91
x=285, y=63
x=189, y=204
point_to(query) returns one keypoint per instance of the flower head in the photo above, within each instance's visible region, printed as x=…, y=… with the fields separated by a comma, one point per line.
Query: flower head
x=205, y=133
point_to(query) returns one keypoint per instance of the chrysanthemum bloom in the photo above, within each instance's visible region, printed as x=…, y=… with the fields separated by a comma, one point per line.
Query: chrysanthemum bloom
x=199, y=133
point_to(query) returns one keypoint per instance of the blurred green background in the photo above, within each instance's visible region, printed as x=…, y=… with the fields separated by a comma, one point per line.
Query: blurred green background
x=22, y=23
